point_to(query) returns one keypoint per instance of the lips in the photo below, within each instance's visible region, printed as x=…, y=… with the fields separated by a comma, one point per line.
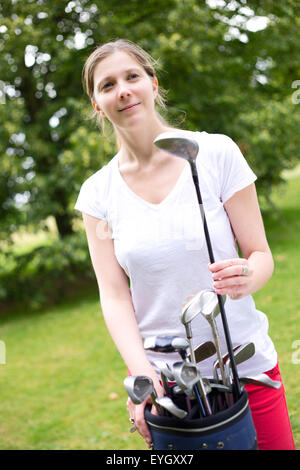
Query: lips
x=128, y=107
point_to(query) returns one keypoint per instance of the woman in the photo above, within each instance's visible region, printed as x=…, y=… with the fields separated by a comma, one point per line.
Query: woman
x=142, y=225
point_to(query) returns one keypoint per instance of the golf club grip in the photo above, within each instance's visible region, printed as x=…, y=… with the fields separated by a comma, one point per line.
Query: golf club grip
x=236, y=384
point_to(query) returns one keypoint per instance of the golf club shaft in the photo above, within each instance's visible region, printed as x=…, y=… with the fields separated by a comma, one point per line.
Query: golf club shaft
x=236, y=385
x=153, y=399
x=200, y=385
x=219, y=354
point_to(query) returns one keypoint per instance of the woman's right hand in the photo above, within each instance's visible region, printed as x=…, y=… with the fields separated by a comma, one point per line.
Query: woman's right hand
x=136, y=413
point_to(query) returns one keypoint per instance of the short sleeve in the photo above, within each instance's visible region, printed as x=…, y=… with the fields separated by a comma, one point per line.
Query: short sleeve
x=90, y=200
x=236, y=174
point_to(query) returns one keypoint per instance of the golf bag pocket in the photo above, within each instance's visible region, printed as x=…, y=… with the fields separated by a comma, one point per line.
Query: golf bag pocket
x=229, y=429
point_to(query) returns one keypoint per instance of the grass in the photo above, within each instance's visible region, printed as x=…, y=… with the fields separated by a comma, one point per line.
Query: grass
x=61, y=386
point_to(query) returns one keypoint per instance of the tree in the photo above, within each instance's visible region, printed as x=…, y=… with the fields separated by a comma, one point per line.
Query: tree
x=222, y=74
x=43, y=47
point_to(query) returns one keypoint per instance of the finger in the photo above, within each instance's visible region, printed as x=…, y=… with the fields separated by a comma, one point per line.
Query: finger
x=154, y=410
x=230, y=282
x=219, y=265
x=141, y=424
x=232, y=271
x=130, y=408
x=234, y=292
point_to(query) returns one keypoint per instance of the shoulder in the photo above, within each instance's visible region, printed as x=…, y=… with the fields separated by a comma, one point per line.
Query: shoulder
x=94, y=192
x=100, y=179
x=216, y=142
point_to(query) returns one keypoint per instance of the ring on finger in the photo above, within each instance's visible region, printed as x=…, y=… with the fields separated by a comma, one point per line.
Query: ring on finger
x=245, y=270
x=133, y=428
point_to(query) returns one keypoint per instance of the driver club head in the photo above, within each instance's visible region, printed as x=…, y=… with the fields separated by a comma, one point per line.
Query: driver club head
x=178, y=145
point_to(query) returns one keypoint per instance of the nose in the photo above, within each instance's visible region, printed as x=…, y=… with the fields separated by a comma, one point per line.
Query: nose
x=123, y=90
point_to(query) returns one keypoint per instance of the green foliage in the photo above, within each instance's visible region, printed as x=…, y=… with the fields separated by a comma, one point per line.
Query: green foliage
x=45, y=274
x=41, y=60
x=269, y=146
x=221, y=74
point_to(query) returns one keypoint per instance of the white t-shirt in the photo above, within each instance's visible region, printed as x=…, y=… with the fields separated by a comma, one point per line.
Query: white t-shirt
x=162, y=248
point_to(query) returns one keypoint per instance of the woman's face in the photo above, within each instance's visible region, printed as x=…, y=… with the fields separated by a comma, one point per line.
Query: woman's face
x=123, y=91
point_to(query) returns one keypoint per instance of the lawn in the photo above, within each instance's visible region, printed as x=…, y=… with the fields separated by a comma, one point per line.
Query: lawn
x=61, y=386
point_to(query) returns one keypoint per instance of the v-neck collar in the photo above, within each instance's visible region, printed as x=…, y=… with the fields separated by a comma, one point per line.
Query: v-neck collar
x=169, y=196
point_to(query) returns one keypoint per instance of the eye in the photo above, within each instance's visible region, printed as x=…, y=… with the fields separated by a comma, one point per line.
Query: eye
x=106, y=85
x=132, y=76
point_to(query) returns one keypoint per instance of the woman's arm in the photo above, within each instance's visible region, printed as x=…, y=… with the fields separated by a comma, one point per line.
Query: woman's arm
x=247, y=225
x=118, y=310
x=115, y=296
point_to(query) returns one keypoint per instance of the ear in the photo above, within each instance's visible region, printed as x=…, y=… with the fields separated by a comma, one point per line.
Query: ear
x=97, y=108
x=155, y=86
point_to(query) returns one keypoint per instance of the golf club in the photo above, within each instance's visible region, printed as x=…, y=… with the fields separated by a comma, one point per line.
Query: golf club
x=217, y=399
x=139, y=387
x=169, y=405
x=242, y=354
x=215, y=386
x=224, y=358
x=187, y=376
x=179, y=145
x=167, y=344
x=189, y=312
x=209, y=307
x=165, y=374
x=261, y=379
x=203, y=351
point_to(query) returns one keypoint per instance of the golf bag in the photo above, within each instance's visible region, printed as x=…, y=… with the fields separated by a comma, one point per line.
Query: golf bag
x=229, y=429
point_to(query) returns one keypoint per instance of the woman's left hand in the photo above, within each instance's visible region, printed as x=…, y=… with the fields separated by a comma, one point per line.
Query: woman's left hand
x=232, y=277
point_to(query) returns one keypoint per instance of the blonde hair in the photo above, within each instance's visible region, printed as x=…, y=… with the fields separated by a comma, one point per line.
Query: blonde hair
x=135, y=51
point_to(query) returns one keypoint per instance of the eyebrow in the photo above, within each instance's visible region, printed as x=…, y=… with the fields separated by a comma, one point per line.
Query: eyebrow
x=110, y=77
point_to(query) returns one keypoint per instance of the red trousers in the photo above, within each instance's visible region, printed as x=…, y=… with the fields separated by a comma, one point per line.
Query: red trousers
x=270, y=415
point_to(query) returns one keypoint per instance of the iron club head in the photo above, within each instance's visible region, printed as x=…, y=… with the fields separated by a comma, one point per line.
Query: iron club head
x=186, y=374
x=261, y=379
x=204, y=351
x=139, y=387
x=169, y=405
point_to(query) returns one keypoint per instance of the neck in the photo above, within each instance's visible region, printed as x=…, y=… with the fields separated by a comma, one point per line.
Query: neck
x=137, y=146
